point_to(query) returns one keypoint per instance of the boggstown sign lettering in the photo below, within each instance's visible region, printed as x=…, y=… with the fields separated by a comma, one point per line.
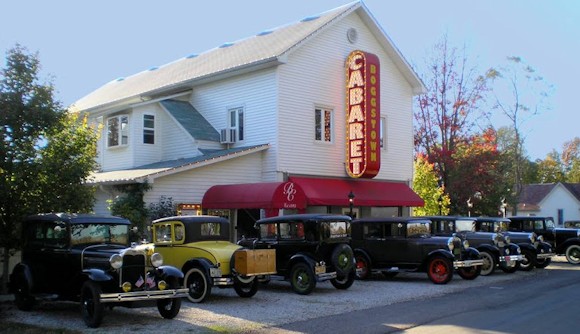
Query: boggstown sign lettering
x=363, y=150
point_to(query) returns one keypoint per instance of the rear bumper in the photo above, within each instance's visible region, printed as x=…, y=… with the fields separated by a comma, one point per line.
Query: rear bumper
x=143, y=295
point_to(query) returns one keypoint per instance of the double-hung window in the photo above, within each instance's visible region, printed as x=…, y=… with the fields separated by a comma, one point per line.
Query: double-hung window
x=118, y=131
x=323, y=125
x=148, y=129
x=236, y=122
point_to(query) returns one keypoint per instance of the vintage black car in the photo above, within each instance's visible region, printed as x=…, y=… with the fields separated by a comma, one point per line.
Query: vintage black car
x=537, y=253
x=389, y=245
x=310, y=248
x=87, y=258
x=565, y=241
x=495, y=249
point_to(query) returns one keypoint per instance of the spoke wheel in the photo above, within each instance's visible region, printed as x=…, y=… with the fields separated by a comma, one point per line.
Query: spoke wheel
x=440, y=270
x=363, y=268
x=488, y=263
x=169, y=308
x=92, y=309
x=245, y=287
x=469, y=273
x=22, y=298
x=197, y=283
x=302, y=279
x=573, y=254
x=345, y=282
x=529, y=261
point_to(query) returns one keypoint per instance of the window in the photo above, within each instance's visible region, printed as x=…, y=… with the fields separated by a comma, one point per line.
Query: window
x=210, y=229
x=118, y=131
x=292, y=230
x=268, y=231
x=236, y=120
x=148, y=129
x=322, y=125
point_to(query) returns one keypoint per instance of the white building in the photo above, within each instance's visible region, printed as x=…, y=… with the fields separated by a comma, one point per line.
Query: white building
x=558, y=200
x=259, y=126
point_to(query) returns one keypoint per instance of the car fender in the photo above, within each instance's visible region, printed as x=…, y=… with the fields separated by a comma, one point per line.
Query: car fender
x=169, y=271
x=301, y=257
x=527, y=246
x=546, y=246
x=21, y=271
x=472, y=253
x=514, y=249
x=571, y=241
x=203, y=263
x=490, y=249
x=441, y=252
x=97, y=275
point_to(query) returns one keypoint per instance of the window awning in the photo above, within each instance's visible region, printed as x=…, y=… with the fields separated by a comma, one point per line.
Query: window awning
x=269, y=195
x=335, y=192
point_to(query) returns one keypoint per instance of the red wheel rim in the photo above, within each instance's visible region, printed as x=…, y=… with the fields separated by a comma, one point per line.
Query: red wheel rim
x=439, y=270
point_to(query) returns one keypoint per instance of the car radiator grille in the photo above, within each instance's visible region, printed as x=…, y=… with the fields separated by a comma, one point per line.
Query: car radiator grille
x=133, y=268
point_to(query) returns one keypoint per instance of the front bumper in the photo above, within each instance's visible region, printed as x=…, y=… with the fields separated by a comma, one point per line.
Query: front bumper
x=142, y=295
x=467, y=263
x=511, y=258
x=542, y=256
x=326, y=276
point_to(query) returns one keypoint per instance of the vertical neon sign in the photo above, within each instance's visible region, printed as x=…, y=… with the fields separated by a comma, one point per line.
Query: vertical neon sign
x=363, y=154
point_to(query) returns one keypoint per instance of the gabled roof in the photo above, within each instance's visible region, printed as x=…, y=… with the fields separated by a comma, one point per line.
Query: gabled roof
x=163, y=168
x=533, y=194
x=191, y=120
x=268, y=48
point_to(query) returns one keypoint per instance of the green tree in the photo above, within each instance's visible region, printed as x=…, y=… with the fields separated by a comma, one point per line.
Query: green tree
x=427, y=184
x=45, y=154
x=550, y=169
x=130, y=205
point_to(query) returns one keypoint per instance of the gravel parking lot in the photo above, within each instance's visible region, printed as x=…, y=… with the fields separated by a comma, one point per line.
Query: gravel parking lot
x=273, y=305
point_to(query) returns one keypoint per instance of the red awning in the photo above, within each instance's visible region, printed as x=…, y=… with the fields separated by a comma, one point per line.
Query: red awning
x=335, y=192
x=269, y=195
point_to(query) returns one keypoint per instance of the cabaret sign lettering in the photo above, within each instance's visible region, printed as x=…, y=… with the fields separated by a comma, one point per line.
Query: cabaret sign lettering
x=363, y=159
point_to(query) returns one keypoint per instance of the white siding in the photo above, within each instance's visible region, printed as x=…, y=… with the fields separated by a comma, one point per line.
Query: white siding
x=560, y=198
x=190, y=186
x=119, y=157
x=315, y=76
x=256, y=93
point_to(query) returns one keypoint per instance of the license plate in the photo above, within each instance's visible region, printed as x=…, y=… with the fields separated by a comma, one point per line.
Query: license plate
x=507, y=258
x=215, y=272
x=319, y=269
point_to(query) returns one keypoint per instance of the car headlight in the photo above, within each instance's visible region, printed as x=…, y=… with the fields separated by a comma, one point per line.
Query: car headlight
x=465, y=244
x=507, y=239
x=541, y=238
x=532, y=237
x=156, y=260
x=116, y=261
x=450, y=244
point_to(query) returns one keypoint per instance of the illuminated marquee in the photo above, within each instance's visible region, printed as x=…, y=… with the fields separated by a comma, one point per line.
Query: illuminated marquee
x=363, y=150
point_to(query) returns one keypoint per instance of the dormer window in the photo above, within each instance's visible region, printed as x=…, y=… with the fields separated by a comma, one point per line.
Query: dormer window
x=118, y=131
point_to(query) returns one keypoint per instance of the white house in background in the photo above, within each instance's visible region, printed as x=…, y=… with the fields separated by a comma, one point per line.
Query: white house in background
x=558, y=200
x=258, y=127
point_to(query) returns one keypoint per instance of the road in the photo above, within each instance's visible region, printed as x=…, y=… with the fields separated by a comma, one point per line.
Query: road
x=536, y=304
x=540, y=301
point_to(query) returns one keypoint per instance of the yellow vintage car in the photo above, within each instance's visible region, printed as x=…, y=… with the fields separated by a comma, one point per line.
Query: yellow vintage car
x=200, y=246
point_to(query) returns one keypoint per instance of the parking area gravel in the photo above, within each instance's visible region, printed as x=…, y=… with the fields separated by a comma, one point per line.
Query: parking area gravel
x=273, y=305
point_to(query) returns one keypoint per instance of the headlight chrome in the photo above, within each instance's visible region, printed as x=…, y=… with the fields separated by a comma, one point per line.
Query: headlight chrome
x=532, y=237
x=465, y=244
x=508, y=240
x=162, y=285
x=126, y=287
x=541, y=238
x=156, y=260
x=116, y=261
x=450, y=244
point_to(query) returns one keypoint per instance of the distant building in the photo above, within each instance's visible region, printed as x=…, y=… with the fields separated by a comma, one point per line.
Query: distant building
x=558, y=200
x=291, y=120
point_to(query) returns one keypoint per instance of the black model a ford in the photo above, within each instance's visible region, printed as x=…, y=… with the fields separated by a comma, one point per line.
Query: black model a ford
x=86, y=258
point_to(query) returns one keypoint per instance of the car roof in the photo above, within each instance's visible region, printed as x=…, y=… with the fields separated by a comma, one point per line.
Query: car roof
x=448, y=217
x=193, y=219
x=492, y=219
x=79, y=218
x=304, y=217
x=377, y=220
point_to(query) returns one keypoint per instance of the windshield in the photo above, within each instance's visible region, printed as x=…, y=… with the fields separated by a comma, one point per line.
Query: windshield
x=501, y=226
x=99, y=233
x=550, y=224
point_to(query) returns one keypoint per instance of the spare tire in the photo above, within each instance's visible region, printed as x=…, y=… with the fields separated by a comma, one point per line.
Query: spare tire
x=342, y=259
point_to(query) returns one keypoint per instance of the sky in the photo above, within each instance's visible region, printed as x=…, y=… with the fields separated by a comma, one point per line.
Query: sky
x=82, y=45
